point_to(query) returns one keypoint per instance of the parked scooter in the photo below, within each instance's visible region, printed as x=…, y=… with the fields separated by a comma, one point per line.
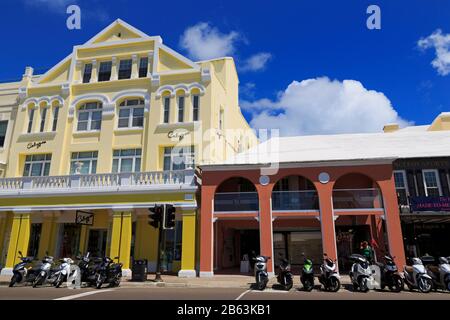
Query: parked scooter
x=329, y=277
x=87, y=269
x=390, y=276
x=21, y=271
x=60, y=274
x=108, y=272
x=416, y=277
x=360, y=273
x=43, y=271
x=261, y=275
x=285, y=276
x=307, y=277
x=440, y=274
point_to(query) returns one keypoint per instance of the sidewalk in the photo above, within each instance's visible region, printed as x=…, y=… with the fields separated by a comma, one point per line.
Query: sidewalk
x=218, y=281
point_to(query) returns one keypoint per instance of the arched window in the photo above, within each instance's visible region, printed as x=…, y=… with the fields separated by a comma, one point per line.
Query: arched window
x=90, y=116
x=131, y=113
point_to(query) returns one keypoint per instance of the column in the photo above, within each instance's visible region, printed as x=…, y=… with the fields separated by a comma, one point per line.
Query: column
x=84, y=234
x=94, y=73
x=325, y=193
x=134, y=67
x=392, y=218
x=48, y=235
x=114, y=72
x=376, y=230
x=146, y=243
x=4, y=233
x=265, y=225
x=206, y=231
x=188, y=245
x=20, y=236
x=121, y=239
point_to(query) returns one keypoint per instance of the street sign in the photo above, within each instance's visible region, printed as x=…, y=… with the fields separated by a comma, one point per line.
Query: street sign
x=84, y=218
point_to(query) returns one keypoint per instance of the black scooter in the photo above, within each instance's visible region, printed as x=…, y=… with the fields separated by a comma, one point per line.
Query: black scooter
x=22, y=271
x=108, y=272
x=390, y=277
x=284, y=277
x=87, y=268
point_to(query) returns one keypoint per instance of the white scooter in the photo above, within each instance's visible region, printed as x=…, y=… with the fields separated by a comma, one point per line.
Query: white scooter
x=329, y=277
x=416, y=277
x=440, y=274
x=61, y=273
x=261, y=275
x=361, y=273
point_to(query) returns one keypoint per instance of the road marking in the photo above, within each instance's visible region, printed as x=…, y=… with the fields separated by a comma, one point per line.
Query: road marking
x=84, y=294
x=243, y=294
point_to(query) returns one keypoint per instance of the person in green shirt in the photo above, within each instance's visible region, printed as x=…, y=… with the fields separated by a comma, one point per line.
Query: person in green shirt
x=366, y=251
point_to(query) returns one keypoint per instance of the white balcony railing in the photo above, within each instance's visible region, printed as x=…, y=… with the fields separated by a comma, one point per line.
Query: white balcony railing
x=99, y=182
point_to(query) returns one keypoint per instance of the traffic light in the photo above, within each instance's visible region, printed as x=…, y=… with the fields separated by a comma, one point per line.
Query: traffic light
x=169, y=217
x=156, y=216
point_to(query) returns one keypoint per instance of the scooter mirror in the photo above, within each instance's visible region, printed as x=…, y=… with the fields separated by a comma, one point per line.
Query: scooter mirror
x=20, y=252
x=116, y=257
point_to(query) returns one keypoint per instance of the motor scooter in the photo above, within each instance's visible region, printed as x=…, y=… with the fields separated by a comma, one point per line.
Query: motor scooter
x=43, y=271
x=108, y=272
x=61, y=273
x=261, y=275
x=440, y=274
x=390, y=276
x=307, y=277
x=416, y=276
x=21, y=271
x=284, y=277
x=329, y=277
x=360, y=273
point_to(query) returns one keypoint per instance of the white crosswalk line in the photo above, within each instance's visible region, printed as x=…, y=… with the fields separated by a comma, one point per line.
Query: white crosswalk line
x=84, y=294
x=243, y=294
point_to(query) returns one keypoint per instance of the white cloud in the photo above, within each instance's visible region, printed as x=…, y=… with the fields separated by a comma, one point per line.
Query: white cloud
x=202, y=41
x=55, y=5
x=323, y=106
x=256, y=62
x=441, y=44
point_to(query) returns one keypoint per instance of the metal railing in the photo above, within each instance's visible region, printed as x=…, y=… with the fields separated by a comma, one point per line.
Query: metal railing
x=295, y=200
x=236, y=201
x=98, y=181
x=357, y=199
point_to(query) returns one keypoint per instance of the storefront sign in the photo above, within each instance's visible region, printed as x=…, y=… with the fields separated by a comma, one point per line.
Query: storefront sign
x=84, y=217
x=430, y=203
x=36, y=145
x=177, y=134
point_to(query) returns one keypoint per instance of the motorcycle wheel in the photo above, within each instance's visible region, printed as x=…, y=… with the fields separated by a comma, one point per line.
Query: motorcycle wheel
x=37, y=281
x=397, y=284
x=425, y=285
x=447, y=285
x=288, y=286
x=13, y=281
x=335, y=284
x=308, y=286
x=98, y=281
x=363, y=285
x=59, y=282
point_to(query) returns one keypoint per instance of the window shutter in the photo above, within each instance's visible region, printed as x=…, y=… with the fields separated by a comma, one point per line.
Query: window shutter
x=420, y=185
x=444, y=184
x=410, y=181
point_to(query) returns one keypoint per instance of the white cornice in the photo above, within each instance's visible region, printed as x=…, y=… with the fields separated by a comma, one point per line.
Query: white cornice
x=47, y=99
x=187, y=88
x=142, y=93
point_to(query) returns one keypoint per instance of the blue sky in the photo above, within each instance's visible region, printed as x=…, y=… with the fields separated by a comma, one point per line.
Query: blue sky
x=311, y=66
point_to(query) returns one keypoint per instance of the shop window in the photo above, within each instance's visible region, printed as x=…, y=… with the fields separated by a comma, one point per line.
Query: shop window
x=431, y=183
x=84, y=162
x=143, y=67
x=69, y=240
x=37, y=165
x=90, y=117
x=104, y=74
x=131, y=114
x=125, y=69
x=127, y=160
x=97, y=242
x=178, y=158
x=172, y=246
x=3, y=129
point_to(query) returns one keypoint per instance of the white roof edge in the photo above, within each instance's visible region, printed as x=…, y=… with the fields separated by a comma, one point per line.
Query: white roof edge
x=112, y=25
x=214, y=59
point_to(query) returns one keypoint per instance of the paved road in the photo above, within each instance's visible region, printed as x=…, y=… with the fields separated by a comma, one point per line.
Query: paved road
x=154, y=293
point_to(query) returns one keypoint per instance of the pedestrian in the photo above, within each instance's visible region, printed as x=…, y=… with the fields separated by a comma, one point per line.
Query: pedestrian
x=366, y=251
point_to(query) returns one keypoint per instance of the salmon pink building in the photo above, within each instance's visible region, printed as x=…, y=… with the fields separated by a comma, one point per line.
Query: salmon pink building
x=309, y=195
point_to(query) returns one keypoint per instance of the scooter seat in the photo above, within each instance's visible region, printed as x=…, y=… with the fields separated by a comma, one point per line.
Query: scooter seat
x=409, y=269
x=434, y=269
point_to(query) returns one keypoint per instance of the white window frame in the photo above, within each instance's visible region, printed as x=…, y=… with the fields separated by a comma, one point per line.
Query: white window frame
x=91, y=159
x=55, y=116
x=124, y=106
x=89, y=120
x=172, y=155
x=133, y=157
x=84, y=73
x=405, y=182
x=121, y=65
x=30, y=120
x=438, y=181
x=45, y=162
x=164, y=109
x=6, y=133
x=43, y=119
x=178, y=109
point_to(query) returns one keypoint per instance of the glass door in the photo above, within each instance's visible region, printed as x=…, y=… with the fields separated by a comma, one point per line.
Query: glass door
x=97, y=242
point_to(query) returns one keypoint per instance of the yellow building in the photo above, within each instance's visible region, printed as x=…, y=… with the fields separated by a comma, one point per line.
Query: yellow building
x=113, y=129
